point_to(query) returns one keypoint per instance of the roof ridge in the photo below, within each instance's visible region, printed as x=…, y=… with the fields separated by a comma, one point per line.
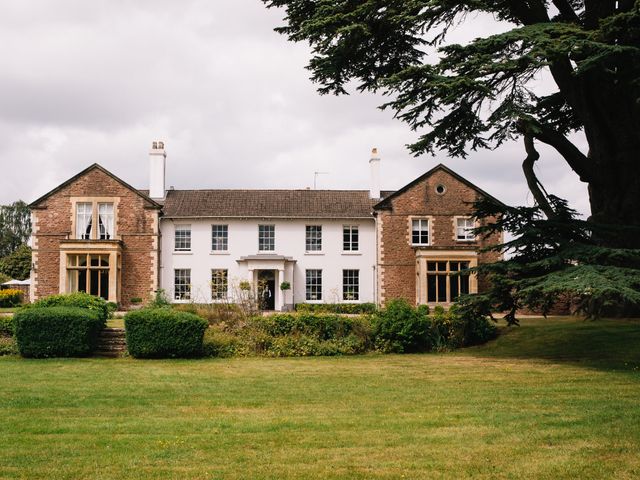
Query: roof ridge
x=267, y=190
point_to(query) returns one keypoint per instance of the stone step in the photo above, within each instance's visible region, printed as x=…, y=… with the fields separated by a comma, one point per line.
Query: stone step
x=111, y=343
x=112, y=332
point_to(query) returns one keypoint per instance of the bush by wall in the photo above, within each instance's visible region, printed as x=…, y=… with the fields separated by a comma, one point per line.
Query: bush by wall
x=214, y=313
x=291, y=334
x=401, y=328
x=344, y=308
x=6, y=327
x=398, y=328
x=11, y=298
x=164, y=333
x=57, y=331
x=8, y=346
x=462, y=327
x=79, y=300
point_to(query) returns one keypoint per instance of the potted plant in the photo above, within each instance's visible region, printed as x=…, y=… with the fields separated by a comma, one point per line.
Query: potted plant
x=136, y=303
x=284, y=286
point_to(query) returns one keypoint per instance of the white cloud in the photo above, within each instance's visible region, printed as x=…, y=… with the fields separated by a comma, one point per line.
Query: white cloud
x=97, y=81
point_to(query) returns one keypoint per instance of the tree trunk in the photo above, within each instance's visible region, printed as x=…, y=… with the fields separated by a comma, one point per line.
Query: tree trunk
x=614, y=194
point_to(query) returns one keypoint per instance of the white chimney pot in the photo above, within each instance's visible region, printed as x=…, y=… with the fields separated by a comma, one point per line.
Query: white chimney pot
x=157, y=170
x=374, y=165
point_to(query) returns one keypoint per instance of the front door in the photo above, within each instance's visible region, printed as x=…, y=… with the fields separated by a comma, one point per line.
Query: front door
x=267, y=289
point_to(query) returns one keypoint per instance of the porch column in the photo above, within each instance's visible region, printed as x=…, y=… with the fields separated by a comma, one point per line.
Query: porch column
x=280, y=293
x=113, y=278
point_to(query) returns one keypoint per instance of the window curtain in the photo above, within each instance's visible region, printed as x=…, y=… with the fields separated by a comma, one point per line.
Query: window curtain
x=83, y=221
x=105, y=220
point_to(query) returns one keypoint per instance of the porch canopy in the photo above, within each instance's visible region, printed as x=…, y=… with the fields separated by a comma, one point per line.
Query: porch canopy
x=283, y=272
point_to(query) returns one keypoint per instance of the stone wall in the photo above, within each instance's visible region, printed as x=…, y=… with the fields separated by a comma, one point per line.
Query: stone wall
x=397, y=257
x=136, y=227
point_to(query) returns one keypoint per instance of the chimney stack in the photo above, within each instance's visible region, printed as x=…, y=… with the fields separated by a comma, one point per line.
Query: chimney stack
x=374, y=164
x=157, y=168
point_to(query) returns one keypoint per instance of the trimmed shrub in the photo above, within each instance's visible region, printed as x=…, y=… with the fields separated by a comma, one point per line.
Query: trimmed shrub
x=10, y=298
x=344, y=308
x=57, y=331
x=164, y=333
x=8, y=346
x=6, y=327
x=79, y=300
x=401, y=328
x=321, y=326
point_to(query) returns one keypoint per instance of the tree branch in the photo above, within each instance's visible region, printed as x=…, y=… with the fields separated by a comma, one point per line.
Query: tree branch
x=578, y=161
x=566, y=11
x=529, y=12
x=595, y=10
x=532, y=181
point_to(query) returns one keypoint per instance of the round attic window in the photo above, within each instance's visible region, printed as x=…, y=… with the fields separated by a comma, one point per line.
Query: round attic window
x=440, y=189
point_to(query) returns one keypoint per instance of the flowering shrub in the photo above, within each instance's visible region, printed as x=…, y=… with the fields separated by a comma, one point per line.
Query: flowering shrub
x=10, y=298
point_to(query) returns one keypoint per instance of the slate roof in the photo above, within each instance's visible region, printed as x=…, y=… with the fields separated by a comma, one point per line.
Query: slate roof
x=269, y=203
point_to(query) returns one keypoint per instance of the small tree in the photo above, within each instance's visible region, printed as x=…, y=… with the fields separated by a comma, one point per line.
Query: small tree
x=18, y=264
x=15, y=227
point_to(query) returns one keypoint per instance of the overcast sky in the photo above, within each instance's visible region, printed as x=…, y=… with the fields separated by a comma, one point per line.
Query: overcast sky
x=97, y=81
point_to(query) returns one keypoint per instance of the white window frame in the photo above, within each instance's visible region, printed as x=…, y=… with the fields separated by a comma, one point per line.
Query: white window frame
x=266, y=239
x=464, y=232
x=349, y=230
x=313, y=238
x=183, y=241
x=219, y=290
x=182, y=290
x=84, y=220
x=224, y=239
x=351, y=285
x=106, y=221
x=313, y=284
x=421, y=231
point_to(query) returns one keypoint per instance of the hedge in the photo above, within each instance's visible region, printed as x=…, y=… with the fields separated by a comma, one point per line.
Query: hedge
x=79, y=300
x=344, y=308
x=321, y=326
x=164, y=333
x=10, y=298
x=57, y=331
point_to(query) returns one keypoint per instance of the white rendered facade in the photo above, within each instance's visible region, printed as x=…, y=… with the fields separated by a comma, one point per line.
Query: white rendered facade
x=287, y=262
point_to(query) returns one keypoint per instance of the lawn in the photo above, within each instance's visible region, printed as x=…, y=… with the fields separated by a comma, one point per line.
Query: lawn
x=551, y=399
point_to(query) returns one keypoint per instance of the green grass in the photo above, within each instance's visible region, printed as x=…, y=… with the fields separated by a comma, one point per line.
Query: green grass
x=115, y=322
x=552, y=399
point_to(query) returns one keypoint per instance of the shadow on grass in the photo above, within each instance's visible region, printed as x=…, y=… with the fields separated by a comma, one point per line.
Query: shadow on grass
x=608, y=344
